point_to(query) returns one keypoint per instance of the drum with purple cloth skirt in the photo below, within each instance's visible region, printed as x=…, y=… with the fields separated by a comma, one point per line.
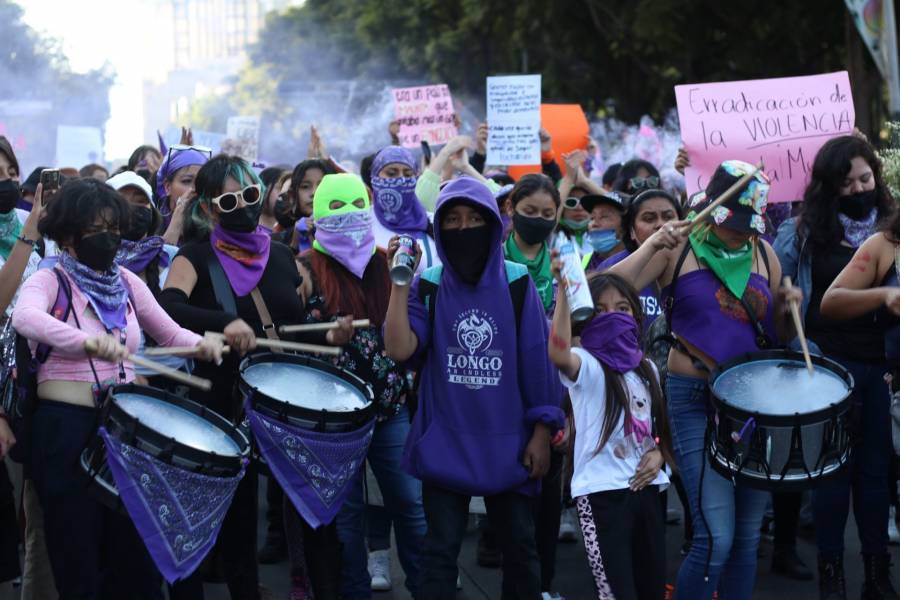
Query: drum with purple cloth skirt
x=170, y=428
x=775, y=426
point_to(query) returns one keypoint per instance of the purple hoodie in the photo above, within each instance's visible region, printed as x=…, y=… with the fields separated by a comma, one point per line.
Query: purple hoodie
x=482, y=388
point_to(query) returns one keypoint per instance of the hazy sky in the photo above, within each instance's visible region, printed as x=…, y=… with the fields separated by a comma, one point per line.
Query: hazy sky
x=132, y=35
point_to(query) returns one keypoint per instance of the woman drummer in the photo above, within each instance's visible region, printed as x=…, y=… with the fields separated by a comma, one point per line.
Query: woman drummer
x=857, y=283
x=109, y=309
x=209, y=289
x=722, y=260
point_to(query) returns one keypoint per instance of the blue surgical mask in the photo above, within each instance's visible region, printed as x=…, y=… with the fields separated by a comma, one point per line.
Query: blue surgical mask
x=574, y=226
x=602, y=240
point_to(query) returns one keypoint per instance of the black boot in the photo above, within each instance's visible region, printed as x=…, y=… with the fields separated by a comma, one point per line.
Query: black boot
x=878, y=584
x=785, y=561
x=831, y=579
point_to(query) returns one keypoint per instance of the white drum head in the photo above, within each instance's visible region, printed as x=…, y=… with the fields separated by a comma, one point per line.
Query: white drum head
x=305, y=387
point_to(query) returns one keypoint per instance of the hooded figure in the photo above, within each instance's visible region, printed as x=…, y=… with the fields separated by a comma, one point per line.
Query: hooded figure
x=485, y=380
x=396, y=207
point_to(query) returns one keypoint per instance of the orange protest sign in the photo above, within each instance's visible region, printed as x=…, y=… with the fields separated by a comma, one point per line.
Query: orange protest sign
x=569, y=129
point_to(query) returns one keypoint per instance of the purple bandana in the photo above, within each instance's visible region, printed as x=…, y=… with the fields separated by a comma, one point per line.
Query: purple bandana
x=857, y=232
x=179, y=160
x=177, y=513
x=612, y=338
x=135, y=256
x=243, y=256
x=106, y=293
x=348, y=238
x=396, y=205
x=316, y=470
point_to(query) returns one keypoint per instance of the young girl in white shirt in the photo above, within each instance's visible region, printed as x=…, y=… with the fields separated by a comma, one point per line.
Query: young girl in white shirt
x=621, y=437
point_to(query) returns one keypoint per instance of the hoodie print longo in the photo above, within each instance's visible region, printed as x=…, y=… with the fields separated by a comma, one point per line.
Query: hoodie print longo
x=483, y=387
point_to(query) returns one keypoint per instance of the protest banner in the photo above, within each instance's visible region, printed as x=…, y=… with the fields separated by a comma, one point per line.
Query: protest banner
x=426, y=114
x=782, y=122
x=514, y=118
x=242, y=138
x=78, y=146
x=568, y=129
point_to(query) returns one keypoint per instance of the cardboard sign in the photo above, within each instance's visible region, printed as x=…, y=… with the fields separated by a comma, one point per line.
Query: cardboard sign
x=514, y=117
x=782, y=122
x=242, y=138
x=425, y=114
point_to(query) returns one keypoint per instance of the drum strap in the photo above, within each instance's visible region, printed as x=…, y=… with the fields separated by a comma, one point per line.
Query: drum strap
x=264, y=316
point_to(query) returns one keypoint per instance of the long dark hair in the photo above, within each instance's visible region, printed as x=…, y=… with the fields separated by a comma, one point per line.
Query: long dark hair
x=617, y=397
x=532, y=184
x=818, y=223
x=634, y=206
x=630, y=170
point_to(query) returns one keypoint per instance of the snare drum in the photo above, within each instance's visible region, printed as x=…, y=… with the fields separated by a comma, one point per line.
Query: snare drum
x=172, y=429
x=306, y=392
x=775, y=426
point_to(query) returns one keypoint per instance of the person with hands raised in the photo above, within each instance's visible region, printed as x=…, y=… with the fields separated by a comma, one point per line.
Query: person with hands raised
x=89, y=351
x=620, y=437
x=476, y=330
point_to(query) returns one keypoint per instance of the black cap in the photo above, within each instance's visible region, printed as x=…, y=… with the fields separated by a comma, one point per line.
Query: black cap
x=34, y=178
x=615, y=199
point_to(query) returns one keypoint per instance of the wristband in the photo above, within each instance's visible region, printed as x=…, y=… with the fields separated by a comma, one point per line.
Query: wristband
x=25, y=240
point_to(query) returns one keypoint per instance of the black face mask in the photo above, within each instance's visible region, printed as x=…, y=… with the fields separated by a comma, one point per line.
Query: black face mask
x=9, y=195
x=243, y=219
x=857, y=206
x=467, y=251
x=141, y=218
x=532, y=230
x=98, y=251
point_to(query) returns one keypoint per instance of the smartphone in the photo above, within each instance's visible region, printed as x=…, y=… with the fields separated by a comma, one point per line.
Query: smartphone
x=426, y=152
x=49, y=183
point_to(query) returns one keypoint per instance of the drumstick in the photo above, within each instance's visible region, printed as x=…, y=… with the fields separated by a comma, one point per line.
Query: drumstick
x=320, y=326
x=723, y=197
x=798, y=325
x=282, y=345
x=177, y=351
x=174, y=374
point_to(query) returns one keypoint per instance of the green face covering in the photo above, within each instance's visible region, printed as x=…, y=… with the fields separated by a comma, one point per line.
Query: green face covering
x=343, y=229
x=732, y=267
x=339, y=187
x=538, y=268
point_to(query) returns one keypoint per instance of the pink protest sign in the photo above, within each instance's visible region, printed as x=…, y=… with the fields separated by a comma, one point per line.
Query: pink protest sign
x=782, y=122
x=425, y=114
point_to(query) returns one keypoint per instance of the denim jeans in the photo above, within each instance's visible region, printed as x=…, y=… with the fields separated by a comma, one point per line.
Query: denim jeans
x=511, y=514
x=403, y=502
x=731, y=516
x=867, y=476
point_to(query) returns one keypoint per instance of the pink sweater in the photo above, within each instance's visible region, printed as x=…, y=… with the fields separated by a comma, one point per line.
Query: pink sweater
x=68, y=361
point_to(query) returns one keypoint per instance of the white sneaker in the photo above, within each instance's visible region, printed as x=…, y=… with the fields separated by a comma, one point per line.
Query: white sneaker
x=458, y=582
x=551, y=596
x=893, y=532
x=568, y=525
x=380, y=570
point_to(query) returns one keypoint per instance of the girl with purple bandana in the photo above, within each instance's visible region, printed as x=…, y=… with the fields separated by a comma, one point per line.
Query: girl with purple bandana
x=395, y=204
x=621, y=439
x=226, y=215
x=175, y=187
x=723, y=260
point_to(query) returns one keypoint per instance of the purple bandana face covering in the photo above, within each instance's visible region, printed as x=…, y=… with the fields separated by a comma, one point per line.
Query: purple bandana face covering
x=177, y=513
x=316, y=470
x=135, y=256
x=105, y=291
x=857, y=232
x=348, y=238
x=243, y=256
x=396, y=205
x=612, y=338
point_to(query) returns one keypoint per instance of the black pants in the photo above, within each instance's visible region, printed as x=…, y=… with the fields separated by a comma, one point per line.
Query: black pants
x=316, y=554
x=447, y=514
x=274, y=508
x=96, y=553
x=786, y=506
x=629, y=537
x=546, y=520
x=9, y=529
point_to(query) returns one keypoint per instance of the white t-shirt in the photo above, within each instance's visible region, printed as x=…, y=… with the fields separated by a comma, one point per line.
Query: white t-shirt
x=615, y=464
x=430, y=256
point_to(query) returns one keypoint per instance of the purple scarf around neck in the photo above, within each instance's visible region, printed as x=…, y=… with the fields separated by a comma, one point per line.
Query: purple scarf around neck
x=612, y=338
x=105, y=292
x=396, y=205
x=135, y=256
x=348, y=238
x=857, y=232
x=243, y=256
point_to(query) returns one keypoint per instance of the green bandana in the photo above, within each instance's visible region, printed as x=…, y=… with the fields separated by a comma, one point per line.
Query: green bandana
x=732, y=267
x=10, y=230
x=538, y=268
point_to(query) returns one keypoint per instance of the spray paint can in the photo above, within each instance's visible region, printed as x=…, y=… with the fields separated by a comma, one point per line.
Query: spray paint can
x=403, y=265
x=581, y=305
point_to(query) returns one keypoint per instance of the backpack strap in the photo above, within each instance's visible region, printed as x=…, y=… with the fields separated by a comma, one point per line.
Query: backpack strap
x=61, y=309
x=221, y=288
x=428, y=285
x=517, y=277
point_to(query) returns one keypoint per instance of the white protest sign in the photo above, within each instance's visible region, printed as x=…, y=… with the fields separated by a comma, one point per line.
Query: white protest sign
x=514, y=118
x=242, y=138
